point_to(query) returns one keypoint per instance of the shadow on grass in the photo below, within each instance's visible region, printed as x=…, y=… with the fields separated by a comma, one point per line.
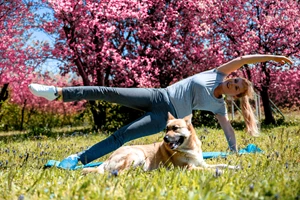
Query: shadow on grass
x=240, y=125
x=44, y=133
x=40, y=133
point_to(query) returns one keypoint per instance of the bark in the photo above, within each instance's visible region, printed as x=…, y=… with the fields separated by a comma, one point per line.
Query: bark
x=3, y=94
x=269, y=119
x=99, y=115
x=23, y=114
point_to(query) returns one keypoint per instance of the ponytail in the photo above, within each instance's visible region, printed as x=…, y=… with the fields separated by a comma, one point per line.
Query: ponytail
x=247, y=112
x=249, y=117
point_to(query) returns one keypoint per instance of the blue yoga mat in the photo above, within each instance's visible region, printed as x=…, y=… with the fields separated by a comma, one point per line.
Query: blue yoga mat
x=55, y=163
x=250, y=148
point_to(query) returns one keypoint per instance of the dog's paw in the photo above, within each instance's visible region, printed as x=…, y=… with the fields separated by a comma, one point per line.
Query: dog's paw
x=85, y=172
x=88, y=170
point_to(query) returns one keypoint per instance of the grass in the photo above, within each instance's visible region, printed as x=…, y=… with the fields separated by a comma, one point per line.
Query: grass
x=275, y=174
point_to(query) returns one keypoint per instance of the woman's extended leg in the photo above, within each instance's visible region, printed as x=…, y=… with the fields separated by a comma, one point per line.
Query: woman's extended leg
x=137, y=98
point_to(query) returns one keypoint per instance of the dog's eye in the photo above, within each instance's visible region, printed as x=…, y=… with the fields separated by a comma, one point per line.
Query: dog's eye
x=173, y=128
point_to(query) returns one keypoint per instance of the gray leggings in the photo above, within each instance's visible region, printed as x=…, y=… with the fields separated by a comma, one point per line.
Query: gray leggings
x=155, y=103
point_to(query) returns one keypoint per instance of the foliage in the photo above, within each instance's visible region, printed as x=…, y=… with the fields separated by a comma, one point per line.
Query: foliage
x=271, y=175
x=129, y=43
x=38, y=121
x=14, y=20
x=285, y=90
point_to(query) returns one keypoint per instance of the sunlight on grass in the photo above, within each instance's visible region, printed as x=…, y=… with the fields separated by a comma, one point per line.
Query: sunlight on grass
x=271, y=175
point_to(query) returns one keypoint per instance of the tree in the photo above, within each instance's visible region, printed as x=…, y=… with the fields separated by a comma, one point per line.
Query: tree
x=18, y=56
x=240, y=27
x=12, y=65
x=130, y=43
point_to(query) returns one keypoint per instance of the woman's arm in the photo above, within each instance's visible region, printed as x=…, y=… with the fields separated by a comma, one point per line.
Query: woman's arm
x=229, y=132
x=237, y=63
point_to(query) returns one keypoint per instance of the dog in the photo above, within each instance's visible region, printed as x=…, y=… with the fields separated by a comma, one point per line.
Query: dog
x=180, y=147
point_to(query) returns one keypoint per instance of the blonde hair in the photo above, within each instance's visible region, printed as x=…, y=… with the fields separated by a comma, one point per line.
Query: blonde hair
x=247, y=112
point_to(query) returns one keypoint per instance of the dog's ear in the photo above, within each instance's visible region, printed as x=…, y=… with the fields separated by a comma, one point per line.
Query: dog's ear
x=170, y=116
x=188, y=119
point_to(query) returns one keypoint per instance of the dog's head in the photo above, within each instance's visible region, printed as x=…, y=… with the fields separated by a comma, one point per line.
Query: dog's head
x=179, y=132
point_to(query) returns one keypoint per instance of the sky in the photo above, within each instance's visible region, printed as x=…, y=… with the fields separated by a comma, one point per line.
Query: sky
x=49, y=64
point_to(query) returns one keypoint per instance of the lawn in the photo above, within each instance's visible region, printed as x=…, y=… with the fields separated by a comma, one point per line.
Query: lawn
x=274, y=174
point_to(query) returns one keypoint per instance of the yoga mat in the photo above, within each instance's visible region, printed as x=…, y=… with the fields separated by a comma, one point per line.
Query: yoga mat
x=250, y=148
x=55, y=163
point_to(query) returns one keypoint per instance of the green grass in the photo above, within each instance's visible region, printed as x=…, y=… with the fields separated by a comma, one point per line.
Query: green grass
x=272, y=175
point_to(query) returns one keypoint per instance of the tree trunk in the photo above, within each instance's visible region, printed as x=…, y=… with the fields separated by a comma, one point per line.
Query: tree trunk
x=3, y=94
x=99, y=114
x=22, y=115
x=269, y=119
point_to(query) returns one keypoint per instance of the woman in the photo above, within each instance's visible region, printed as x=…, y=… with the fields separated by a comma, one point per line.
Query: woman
x=202, y=91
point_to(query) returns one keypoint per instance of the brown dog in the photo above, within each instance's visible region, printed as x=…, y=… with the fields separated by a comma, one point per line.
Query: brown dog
x=181, y=148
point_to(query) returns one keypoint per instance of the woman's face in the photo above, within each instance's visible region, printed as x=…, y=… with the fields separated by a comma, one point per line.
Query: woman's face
x=233, y=87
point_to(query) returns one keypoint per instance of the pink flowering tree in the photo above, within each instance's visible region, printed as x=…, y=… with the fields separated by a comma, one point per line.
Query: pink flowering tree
x=13, y=15
x=240, y=27
x=130, y=43
x=284, y=89
x=21, y=56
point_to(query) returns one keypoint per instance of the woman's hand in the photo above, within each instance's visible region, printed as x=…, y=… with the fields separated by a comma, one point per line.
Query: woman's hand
x=282, y=60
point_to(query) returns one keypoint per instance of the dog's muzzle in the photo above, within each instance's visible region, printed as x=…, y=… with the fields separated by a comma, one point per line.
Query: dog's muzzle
x=174, y=142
